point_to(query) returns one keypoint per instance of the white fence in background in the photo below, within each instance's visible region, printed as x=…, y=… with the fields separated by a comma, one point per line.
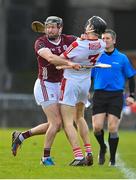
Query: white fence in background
x=21, y=110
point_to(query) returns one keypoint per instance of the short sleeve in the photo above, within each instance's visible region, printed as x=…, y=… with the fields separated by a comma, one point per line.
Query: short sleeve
x=38, y=45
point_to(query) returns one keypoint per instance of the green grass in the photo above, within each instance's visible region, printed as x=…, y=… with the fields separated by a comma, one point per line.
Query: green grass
x=26, y=164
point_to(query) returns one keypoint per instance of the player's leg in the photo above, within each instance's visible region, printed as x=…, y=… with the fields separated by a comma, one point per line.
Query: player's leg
x=98, y=124
x=71, y=133
x=68, y=100
x=49, y=102
x=18, y=137
x=113, y=139
x=84, y=131
x=54, y=119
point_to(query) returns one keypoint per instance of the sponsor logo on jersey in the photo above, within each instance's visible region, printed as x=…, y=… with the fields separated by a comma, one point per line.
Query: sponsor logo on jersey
x=94, y=46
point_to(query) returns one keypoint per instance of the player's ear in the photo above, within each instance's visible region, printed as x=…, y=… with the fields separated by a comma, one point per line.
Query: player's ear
x=114, y=41
x=60, y=30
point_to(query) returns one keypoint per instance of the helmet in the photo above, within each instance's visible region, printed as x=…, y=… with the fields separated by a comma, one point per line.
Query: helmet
x=54, y=19
x=97, y=24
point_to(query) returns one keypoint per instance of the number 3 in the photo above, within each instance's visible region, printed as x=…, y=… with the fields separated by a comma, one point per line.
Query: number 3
x=93, y=58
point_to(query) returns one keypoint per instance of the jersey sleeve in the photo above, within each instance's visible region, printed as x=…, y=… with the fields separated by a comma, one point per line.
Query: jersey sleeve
x=39, y=44
x=71, y=51
x=128, y=68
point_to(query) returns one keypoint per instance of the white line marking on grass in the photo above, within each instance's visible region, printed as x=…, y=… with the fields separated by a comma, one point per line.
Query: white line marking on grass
x=128, y=173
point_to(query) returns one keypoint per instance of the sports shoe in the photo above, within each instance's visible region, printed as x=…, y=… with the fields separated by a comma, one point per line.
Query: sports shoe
x=89, y=159
x=47, y=161
x=78, y=162
x=15, y=142
x=112, y=164
x=101, y=156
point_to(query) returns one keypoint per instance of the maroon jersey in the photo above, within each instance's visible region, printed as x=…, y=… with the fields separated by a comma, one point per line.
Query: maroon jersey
x=48, y=71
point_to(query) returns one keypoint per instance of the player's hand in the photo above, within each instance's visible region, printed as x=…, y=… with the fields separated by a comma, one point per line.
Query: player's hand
x=83, y=37
x=75, y=66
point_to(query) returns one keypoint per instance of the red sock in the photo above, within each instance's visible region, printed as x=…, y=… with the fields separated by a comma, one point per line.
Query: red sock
x=78, y=153
x=88, y=148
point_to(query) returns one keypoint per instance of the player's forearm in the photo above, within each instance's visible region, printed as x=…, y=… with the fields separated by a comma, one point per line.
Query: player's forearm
x=52, y=58
x=57, y=60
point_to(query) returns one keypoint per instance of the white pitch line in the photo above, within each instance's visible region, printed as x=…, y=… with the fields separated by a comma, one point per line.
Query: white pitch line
x=128, y=173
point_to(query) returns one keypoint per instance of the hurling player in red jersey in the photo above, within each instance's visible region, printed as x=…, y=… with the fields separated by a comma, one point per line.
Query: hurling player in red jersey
x=47, y=85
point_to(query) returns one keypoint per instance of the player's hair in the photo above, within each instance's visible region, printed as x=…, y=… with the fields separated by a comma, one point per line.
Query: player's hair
x=97, y=24
x=111, y=32
x=54, y=19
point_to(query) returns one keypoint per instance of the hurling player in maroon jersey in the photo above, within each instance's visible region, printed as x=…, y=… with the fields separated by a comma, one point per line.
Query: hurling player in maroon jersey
x=47, y=85
x=75, y=87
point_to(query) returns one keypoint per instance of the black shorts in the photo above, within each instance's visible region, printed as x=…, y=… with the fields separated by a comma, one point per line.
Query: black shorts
x=110, y=102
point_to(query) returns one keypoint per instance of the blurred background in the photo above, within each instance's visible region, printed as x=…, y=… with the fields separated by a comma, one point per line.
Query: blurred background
x=18, y=64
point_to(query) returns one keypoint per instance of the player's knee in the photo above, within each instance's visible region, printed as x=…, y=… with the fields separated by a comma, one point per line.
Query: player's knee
x=68, y=126
x=57, y=125
x=79, y=120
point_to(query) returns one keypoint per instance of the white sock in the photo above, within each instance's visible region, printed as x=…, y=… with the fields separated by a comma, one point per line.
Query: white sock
x=21, y=138
x=79, y=158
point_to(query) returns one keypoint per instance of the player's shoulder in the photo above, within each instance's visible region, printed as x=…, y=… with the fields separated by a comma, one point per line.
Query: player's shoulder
x=82, y=41
x=68, y=37
x=40, y=42
x=41, y=38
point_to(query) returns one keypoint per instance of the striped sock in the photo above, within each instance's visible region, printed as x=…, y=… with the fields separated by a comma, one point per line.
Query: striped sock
x=78, y=153
x=88, y=149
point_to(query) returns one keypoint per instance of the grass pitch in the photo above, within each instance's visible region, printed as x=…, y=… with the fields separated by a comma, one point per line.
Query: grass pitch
x=26, y=165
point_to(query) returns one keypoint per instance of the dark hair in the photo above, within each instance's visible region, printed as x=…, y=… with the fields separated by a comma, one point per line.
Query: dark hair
x=97, y=23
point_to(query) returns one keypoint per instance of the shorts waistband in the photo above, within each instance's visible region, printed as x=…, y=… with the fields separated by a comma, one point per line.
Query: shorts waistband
x=100, y=90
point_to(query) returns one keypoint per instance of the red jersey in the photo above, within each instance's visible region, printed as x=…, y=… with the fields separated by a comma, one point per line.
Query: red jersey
x=46, y=70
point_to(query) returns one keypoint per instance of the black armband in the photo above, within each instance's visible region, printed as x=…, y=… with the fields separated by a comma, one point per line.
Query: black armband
x=132, y=86
x=132, y=95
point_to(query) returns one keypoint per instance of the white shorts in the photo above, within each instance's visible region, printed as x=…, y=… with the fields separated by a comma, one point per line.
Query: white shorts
x=46, y=93
x=74, y=91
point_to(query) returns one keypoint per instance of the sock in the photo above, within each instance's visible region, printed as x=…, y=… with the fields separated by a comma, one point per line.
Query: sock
x=21, y=138
x=100, y=138
x=78, y=153
x=88, y=149
x=113, y=143
x=26, y=134
x=47, y=152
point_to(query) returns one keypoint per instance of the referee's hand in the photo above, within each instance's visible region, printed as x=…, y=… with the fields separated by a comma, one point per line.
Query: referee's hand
x=129, y=101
